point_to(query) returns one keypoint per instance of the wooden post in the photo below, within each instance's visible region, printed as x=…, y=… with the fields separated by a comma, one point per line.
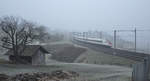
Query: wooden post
x=141, y=70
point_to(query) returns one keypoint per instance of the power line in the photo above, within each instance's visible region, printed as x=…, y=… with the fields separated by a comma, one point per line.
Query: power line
x=131, y=30
x=115, y=36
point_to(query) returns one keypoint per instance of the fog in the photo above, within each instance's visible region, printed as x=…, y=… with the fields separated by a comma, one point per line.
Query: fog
x=86, y=15
x=81, y=14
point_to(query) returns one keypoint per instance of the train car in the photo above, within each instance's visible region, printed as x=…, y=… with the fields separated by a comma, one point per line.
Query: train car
x=97, y=41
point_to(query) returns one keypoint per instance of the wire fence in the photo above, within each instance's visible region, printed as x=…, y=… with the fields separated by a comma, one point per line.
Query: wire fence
x=129, y=40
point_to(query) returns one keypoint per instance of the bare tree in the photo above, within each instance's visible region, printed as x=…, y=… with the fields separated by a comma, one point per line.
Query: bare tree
x=17, y=34
x=41, y=32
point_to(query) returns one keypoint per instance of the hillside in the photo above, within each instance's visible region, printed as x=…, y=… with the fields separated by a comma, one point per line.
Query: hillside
x=70, y=53
x=93, y=57
x=65, y=52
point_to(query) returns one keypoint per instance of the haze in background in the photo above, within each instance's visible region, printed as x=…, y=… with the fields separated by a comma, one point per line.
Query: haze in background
x=81, y=14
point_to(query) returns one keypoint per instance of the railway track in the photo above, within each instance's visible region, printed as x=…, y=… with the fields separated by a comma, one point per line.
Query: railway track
x=117, y=52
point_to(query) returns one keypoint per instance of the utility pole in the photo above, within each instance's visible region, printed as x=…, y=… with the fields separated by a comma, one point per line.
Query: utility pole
x=83, y=34
x=135, y=38
x=100, y=34
x=115, y=39
x=86, y=35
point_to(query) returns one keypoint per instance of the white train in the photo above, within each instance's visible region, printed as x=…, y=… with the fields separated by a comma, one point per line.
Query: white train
x=97, y=41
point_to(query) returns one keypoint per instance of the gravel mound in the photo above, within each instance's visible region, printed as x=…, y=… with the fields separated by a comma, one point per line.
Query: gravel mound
x=40, y=76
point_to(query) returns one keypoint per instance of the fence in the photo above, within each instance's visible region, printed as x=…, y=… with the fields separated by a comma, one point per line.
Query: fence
x=141, y=70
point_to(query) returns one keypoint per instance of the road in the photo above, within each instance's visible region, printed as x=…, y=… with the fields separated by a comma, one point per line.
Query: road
x=118, y=52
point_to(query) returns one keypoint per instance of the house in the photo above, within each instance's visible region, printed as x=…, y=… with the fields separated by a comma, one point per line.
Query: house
x=33, y=54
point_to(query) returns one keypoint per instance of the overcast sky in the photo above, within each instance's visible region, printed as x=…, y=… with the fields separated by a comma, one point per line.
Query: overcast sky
x=81, y=14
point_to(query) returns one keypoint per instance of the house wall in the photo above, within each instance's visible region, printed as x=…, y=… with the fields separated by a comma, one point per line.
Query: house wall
x=47, y=57
x=38, y=58
x=25, y=58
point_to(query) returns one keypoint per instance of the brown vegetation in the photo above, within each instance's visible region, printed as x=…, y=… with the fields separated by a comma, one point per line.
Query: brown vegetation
x=55, y=76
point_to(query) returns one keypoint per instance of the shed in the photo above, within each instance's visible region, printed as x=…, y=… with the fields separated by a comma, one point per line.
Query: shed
x=33, y=54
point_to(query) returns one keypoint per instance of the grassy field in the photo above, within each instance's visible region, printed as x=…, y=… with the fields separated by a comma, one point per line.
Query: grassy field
x=67, y=52
x=91, y=65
